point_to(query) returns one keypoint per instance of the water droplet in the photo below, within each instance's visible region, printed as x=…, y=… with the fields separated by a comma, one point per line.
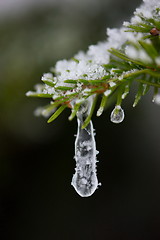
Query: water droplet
x=117, y=115
x=85, y=179
x=100, y=111
x=156, y=99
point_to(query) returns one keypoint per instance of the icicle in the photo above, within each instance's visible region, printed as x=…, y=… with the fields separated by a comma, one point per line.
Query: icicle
x=85, y=179
x=117, y=115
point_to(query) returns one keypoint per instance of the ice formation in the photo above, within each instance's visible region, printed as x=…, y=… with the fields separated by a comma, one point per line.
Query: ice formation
x=117, y=115
x=90, y=67
x=156, y=99
x=85, y=179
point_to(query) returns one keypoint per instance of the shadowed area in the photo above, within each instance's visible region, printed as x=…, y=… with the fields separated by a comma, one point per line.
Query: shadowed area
x=36, y=159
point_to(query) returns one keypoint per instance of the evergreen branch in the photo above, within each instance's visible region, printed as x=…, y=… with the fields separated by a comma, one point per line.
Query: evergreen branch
x=88, y=119
x=40, y=95
x=113, y=77
x=64, y=88
x=138, y=95
x=74, y=111
x=131, y=54
x=57, y=113
x=148, y=83
x=49, y=82
x=122, y=56
x=102, y=105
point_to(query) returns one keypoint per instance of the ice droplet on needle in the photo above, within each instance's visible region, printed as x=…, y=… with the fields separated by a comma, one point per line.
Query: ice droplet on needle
x=117, y=115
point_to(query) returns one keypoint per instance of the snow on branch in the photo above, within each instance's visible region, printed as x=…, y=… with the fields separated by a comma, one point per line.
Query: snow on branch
x=129, y=54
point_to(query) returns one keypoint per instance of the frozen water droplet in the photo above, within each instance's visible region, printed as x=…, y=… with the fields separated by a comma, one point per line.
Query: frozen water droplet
x=85, y=179
x=156, y=99
x=100, y=111
x=117, y=115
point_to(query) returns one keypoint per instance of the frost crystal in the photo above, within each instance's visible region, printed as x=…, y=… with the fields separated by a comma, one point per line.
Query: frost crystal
x=85, y=179
x=99, y=52
x=112, y=84
x=146, y=9
x=100, y=111
x=132, y=52
x=117, y=115
x=107, y=92
x=47, y=76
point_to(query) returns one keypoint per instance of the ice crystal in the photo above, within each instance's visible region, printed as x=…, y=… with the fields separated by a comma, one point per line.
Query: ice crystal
x=107, y=93
x=100, y=111
x=147, y=10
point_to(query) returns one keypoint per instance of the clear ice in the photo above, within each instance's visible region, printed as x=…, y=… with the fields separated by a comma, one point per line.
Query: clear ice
x=117, y=115
x=85, y=179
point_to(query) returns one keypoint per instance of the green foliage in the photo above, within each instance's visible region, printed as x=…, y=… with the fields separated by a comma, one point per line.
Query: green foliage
x=146, y=24
x=57, y=113
x=122, y=70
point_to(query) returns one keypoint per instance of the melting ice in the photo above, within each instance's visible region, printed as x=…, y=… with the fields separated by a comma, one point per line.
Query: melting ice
x=85, y=179
x=117, y=115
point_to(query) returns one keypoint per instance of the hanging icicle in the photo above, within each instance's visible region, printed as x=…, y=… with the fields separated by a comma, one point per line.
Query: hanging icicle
x=85, y=179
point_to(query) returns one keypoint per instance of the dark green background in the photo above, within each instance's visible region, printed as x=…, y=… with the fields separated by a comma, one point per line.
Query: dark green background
x=37, y=201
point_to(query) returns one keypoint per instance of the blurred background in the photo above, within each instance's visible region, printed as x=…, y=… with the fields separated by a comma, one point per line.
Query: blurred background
x=36, y=158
